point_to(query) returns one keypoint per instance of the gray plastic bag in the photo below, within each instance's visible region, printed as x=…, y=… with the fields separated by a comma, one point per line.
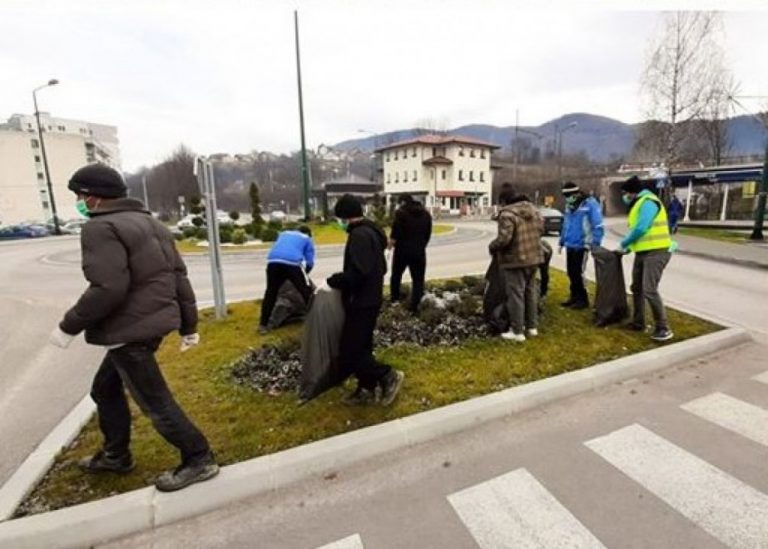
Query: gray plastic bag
x=320, y=344
x=611, y=297
x=289, y=306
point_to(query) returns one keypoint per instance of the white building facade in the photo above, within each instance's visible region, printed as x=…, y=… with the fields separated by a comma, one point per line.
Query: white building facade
x=449, y=174
x=69, y=145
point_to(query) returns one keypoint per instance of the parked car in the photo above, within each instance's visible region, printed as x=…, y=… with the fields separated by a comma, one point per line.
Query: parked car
x=73, y=227
x=277, y=215
x=186, y=222
x=24, y=230
x=553, y=220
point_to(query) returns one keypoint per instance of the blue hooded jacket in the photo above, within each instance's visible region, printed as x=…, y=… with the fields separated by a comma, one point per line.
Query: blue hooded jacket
x=293, y=248
x=583, y=226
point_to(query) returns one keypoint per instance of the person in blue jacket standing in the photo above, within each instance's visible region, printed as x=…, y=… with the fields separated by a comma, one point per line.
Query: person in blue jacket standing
x=291, y=258
x=582, y=230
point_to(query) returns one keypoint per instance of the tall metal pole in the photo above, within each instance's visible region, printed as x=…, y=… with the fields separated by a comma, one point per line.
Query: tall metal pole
x=144, y=187
x=304, y=169
x=51, y=199
x=757, y=230
x=204, y=172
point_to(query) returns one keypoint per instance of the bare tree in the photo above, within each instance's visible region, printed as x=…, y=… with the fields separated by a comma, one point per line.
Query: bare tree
x=679, y=80
x=431, y=126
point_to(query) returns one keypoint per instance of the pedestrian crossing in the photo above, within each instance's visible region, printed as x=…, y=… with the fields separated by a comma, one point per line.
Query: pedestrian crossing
x=517, y=510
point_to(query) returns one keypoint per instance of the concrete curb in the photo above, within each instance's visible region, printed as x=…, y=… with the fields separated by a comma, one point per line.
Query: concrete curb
x=712, y=257
x=110, y=518
x=40, y=460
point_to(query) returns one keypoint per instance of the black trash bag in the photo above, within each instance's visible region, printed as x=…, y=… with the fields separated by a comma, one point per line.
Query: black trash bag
x=611, y=299
x=289, y=306
x=320, y=344
x=495, y=299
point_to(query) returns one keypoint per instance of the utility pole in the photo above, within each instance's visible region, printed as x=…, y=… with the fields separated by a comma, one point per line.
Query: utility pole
x=304, y=169
x=203, y=169
x=144, y=188
x=51, y=198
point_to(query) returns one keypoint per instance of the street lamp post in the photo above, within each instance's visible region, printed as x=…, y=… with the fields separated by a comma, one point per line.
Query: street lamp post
x=304, y=168
x=559, y=147
x=757, y=228
x=51, y=199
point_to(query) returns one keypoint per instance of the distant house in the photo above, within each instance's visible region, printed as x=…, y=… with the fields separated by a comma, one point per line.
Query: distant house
x=330, y=191
x=448, y=173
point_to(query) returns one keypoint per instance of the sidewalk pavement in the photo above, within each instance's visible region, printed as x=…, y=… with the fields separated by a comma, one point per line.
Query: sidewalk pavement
x=747, y=255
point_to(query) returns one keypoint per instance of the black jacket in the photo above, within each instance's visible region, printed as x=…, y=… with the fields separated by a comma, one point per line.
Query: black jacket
x=362, y=280
x=138, y=288
x=412, y=228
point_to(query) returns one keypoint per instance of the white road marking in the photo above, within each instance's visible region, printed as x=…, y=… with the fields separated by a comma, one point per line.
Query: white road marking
x=741, y=417
x=728, y=509
x=515, y=511
x=352, y=542
x=762, y=378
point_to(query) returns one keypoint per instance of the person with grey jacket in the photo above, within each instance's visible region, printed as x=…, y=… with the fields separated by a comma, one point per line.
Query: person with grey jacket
x=138, y=293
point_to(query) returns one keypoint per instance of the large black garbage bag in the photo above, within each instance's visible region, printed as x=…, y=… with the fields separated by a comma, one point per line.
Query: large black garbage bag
x=289, y=306
x=495, y=299
x=320, y=344
x=611, y=299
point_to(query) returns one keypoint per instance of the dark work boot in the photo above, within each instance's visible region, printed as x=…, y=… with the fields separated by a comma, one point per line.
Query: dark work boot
x=360, y=397
x=188, y=473
x=568, y=303
x=662, y=334
x=100, y=462
x=390, y=386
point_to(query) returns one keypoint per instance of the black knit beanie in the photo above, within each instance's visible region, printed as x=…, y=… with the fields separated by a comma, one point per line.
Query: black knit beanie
x=98, y=180
x=348, y=207
x=632, y=185
x=569, y=187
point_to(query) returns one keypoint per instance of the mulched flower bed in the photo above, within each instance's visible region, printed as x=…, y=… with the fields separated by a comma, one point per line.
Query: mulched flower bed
x=449, y=314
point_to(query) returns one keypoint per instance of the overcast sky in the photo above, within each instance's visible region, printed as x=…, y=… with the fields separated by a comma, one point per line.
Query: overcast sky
x=220, y=76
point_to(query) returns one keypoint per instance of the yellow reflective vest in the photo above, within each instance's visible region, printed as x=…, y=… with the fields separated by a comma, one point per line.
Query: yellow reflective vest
x=657, y=237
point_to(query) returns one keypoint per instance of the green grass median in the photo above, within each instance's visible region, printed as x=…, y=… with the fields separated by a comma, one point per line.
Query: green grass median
x=242, y=424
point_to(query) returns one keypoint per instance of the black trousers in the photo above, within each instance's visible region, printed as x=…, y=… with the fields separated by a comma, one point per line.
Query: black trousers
x=134, y=367
x=356, y=347
x=277, y=274
x=416, y=263
x=576, y=261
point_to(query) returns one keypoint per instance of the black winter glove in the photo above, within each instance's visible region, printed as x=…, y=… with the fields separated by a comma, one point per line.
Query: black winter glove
x=336, y=281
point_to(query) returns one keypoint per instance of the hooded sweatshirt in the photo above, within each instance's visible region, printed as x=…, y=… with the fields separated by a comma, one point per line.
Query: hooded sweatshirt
x=362, y=283
x=517, y=244
x=412, y=228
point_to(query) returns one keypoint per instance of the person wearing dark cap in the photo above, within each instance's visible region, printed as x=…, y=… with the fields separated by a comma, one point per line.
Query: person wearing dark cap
x=361, y=283
x=411, y=231
x=649, y=238
x=582, y=230
x=138, y=293
x=290, y=258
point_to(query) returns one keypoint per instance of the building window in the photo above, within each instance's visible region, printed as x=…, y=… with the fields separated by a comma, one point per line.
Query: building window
x=431, y=174
x=35, y=143
x=389, y=178
x=461, y=175
x=444, y=175
x=45, y=204
x=37, y=158
x=62, y=128
x=397, y=177
x=405, y=177
x=482, y=153
x=471, y=175
x=413, y=152
x=461, y=152
x=387, y=157
x=396, y=152
x=434, y=151
x=472, y=153
x=415, y=175
x=482, y=176
x=40, y=176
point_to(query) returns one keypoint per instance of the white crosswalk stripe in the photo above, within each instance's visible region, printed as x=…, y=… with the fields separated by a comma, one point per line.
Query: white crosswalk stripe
x=762, y=378
x=351, y=542
x=515, y=511
x=733, y=414
x=725, y=507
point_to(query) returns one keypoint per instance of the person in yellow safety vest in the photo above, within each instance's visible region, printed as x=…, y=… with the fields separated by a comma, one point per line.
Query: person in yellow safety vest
x=649, y=239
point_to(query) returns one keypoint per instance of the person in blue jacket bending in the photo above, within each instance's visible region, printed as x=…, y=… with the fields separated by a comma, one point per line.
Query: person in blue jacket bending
x=291, y=258
x=582, y=230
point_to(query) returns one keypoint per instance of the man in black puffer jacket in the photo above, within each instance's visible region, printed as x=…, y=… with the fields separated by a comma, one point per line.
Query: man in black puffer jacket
x=138, y=293
x=411, y=231
x=362, y=284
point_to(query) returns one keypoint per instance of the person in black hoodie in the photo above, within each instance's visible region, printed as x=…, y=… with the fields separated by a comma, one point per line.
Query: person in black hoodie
x=362, y=284
x=411, y=231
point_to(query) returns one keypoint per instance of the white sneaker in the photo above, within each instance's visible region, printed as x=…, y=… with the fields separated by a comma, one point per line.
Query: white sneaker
x=532, y=332
x=512, y=336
